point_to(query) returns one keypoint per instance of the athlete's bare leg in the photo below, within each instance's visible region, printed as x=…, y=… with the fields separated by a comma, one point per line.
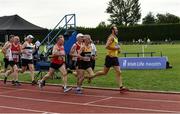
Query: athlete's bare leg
x=31, y=69
x=118, y=75
x=64, y=74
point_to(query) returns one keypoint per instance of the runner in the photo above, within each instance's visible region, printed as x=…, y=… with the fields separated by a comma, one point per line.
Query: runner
x=85, y=63
x=27, y=57
x=15, y=50
x=111, y=59
x=57, y=63
x=6, y=51
x=74, y=51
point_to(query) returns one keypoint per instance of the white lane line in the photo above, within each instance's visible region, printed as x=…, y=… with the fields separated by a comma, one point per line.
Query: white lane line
x=103, y=96
x=92, y=105
x=97, y=101
x=44, y=91
x=137, y=109
x=23, y=109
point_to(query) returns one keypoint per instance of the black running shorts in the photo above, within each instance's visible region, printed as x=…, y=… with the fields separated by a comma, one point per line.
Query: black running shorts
x=84, y=65
x=6, y=63
x=25, y=62
x=12, y=63
x=55, y=66
x=111, y=61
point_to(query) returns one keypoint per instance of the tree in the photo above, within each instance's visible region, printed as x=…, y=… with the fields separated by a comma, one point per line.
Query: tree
x=124, y=12
x=167, y=18
x=149, y=19
x=101, y=25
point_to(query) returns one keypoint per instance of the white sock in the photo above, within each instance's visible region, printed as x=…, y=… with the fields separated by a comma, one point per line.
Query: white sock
x=65, y=86
x=41, y=81
x=78, y=88
x=5, y=74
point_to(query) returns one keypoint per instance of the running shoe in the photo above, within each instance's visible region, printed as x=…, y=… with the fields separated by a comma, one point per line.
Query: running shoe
x=34, y=83
x=13, y=82
x=41, y=84
x=78, y=91
x=5, y=80
x=67, y=89
x=17, y=83
x=123, y=89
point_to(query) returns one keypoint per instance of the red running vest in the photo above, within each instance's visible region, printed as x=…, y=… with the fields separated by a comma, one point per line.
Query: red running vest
x=58, y=60
x=15, y=52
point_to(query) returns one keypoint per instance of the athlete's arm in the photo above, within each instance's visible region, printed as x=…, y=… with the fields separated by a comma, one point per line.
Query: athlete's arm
x=20, y=48
x=23, y=47
x=80, y=51
x=73, y=49
x=34, y=49
x=5, y=47
x=55, y=52
x=109, y=42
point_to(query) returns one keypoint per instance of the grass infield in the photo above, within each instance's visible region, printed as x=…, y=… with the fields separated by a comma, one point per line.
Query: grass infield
x=158, y=80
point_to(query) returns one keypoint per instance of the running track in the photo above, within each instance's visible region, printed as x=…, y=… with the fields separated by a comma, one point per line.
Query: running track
x=29, y=99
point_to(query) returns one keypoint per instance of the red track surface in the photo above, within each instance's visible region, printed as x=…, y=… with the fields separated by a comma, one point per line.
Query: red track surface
x=29, y=99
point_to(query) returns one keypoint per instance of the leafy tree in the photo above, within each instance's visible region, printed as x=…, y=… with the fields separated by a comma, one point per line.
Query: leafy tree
x=149, y=19
x=167, y=18
x=101, y=25
x=124, y=12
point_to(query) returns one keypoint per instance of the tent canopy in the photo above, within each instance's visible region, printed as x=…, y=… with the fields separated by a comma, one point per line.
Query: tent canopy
x=15, y=23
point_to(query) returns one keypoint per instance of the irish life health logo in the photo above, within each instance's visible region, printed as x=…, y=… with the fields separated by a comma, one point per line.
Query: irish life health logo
x=124, y=63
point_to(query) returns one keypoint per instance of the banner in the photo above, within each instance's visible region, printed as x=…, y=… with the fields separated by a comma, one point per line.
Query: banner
x=69, y=43
x=143, y=62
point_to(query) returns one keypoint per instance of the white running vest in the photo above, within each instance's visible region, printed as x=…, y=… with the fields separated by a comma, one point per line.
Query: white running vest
x=29, y=52
x=10, y=57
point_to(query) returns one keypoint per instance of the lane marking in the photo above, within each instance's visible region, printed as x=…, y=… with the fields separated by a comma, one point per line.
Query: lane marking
x=104, y=96
x=130, y=108
x=98, y=101
x=23, y=109
x=92, y=105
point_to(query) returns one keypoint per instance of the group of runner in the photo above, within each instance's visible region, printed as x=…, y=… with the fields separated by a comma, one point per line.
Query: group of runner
x=12, y=51
x=83, y=55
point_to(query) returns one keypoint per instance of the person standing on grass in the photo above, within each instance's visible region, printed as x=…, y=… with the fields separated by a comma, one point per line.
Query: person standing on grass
x=15, y=50
x=93, y=55
x=57, y=63
x=111, y=60
x=27, y=57
x=6, y=51
x=85, y=63
x=36, y=52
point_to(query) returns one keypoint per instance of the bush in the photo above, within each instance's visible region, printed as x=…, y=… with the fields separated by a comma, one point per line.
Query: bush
x=153, y=32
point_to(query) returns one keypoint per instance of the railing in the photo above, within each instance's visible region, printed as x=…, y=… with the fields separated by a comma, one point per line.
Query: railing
x=69, y=20
x=140, y=53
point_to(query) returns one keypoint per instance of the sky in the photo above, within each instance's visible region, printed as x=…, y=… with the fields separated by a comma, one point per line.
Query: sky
x=89, y=13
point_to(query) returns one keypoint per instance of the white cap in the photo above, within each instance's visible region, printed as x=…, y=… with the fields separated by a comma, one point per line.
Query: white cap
x=79, y=35
x=30, y=36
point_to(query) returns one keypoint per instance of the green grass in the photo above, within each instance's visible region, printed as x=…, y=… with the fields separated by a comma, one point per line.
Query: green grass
x=159, y=80
x=164, y=80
